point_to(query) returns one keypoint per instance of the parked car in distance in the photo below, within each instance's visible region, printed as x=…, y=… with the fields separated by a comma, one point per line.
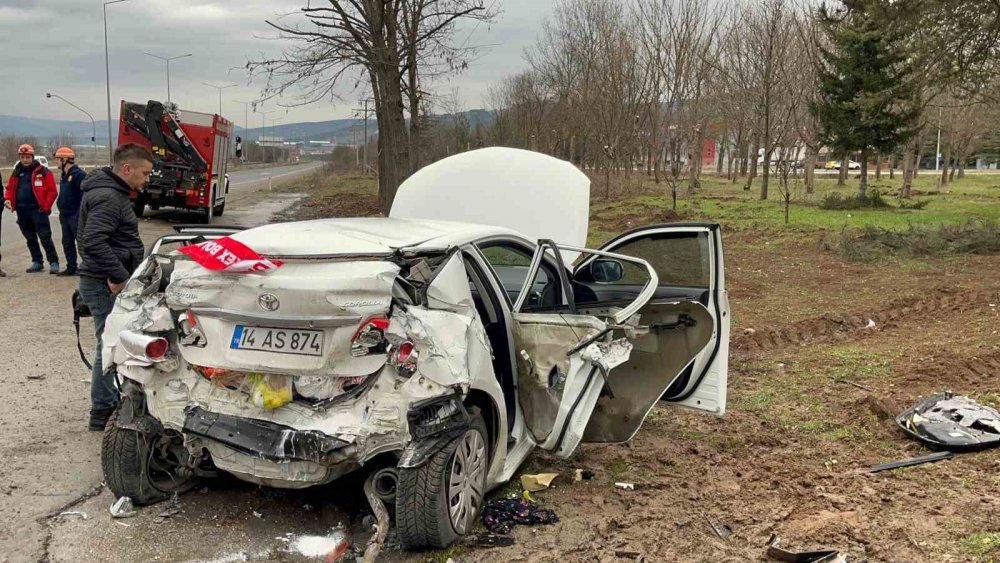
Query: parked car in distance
x=835, y=165
x=41, y=159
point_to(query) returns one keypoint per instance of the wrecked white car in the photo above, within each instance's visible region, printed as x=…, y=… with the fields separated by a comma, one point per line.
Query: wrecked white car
x=436, y=355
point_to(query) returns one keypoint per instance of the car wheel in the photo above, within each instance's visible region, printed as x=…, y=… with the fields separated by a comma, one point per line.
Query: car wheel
x=439, y=502
x=140, y=466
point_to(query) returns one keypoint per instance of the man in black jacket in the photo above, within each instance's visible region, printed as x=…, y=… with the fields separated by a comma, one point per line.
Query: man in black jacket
x=68, y=202
x=110, y=250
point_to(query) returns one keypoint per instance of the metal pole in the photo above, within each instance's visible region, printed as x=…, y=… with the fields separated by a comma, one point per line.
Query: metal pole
x=92, y=122
x=365, y=150
x=167, y=59
x=937, y=151
x=220, y=89
x=107, y=77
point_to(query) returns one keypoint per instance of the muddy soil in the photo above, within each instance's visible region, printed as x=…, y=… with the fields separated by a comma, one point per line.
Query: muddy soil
x=813, y=388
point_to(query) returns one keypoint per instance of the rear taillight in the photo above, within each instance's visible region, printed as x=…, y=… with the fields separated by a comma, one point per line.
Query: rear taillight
x=404, y=358
x=190, y=333
x=157, y=348
x=144, y=346
x=370, y=337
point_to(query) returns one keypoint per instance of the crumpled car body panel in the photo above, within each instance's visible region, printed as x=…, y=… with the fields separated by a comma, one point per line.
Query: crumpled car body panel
x=952, y=422
x=455, y=357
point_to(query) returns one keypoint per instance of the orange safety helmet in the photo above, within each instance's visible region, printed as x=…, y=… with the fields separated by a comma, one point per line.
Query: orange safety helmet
x=65, y=152
x=26, y=149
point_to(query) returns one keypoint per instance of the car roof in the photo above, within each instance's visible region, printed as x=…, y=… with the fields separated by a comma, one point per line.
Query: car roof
x=362, y=236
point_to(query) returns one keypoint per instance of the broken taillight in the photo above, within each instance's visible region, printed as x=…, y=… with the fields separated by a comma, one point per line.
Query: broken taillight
x=157, y=348
x=190, y=333
x=404, y=358
x=370, y=337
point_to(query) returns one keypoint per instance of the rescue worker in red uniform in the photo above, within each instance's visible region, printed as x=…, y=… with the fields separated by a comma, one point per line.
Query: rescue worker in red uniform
x=31, y=191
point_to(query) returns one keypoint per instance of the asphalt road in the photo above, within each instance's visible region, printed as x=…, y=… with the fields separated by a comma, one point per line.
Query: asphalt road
x=49, y=461
x=242, y=183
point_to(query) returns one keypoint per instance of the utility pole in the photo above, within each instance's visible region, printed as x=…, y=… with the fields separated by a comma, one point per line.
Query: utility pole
x=107, y=77
x=246, y=115
x=365, y=111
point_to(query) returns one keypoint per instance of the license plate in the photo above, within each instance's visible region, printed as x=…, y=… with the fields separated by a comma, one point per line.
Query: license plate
x=278, y=340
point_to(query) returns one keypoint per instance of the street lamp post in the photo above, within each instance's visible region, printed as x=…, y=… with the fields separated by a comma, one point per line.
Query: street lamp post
x=107, y=75
x=263, y=116
x=93, y=138
x=167, y=59
x=274, y=122
x=246, y=115
x=220, y=89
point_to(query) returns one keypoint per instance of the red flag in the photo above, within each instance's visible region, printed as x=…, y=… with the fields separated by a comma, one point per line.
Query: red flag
x=229, y=255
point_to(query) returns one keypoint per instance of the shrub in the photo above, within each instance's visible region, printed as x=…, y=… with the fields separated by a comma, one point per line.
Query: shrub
x=915, y=204
x=980, y=236
x=834, y=200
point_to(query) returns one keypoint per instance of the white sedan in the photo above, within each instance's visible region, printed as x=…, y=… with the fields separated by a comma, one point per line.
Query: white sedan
x=435, y=354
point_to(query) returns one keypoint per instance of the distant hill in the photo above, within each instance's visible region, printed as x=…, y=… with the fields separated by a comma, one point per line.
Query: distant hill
x=337, y=130
x=45, y=129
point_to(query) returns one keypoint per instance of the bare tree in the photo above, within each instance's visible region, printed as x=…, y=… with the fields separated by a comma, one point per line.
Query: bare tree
x=391, y=45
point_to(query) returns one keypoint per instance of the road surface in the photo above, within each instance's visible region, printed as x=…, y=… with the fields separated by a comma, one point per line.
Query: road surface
x=50, y=462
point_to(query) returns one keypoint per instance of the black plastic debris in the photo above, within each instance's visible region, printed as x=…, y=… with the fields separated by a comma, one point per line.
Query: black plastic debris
x=910, y=462
x=952, y=422
x=501, y=515
x=820, y=556
x=488, y=540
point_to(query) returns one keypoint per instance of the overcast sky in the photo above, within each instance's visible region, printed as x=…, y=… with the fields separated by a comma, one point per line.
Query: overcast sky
x=58, y=46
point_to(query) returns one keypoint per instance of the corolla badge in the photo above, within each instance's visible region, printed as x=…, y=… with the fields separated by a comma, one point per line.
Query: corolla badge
x=268, y=302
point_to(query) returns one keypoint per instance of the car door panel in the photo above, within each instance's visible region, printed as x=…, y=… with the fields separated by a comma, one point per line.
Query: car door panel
x=565, y=357
x=687, y=347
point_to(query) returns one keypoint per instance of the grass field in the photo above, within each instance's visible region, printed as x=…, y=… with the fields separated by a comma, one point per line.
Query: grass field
x=812, y=389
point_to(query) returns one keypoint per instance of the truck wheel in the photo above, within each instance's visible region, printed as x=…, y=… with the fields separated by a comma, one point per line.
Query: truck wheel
x=438, y=502
x=131, y=469
x=220, y=209
x=139, y=205
x=209, y=212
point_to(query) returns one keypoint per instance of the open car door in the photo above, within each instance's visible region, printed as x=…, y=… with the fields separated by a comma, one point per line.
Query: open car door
x=684, y=358
x=564, y=356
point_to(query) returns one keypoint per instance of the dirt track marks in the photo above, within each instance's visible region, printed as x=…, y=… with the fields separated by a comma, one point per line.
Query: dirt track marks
x=827, y=328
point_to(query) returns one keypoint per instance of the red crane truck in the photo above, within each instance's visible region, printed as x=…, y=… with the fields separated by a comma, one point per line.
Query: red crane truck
x=190, y=154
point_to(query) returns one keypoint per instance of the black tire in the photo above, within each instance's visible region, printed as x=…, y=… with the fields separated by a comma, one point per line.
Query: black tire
x=124, y=460
x=423, y=508
x=139, y=205
x=154, y=206
x=220, y=209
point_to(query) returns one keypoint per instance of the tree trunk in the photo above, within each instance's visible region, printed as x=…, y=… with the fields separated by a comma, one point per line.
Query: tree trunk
x=810, y=170
x=961, y=166
x=393, y=153
x=719, y=154
x=753, y=164
x=892, y=166
x=863, y=184
x=696, y=160
x=943, y=188
x=878, y=167
x=765, y=175
x=842, y=176
x=909, y=156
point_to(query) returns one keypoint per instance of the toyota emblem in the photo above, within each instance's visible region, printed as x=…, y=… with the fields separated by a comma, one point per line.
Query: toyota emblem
x=268, y=302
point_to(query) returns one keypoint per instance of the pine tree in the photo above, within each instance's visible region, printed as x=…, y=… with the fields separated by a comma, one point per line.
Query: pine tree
x=867, y=100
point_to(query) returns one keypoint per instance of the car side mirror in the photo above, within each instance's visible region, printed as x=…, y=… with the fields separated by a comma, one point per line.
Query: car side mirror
x=604, y=270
